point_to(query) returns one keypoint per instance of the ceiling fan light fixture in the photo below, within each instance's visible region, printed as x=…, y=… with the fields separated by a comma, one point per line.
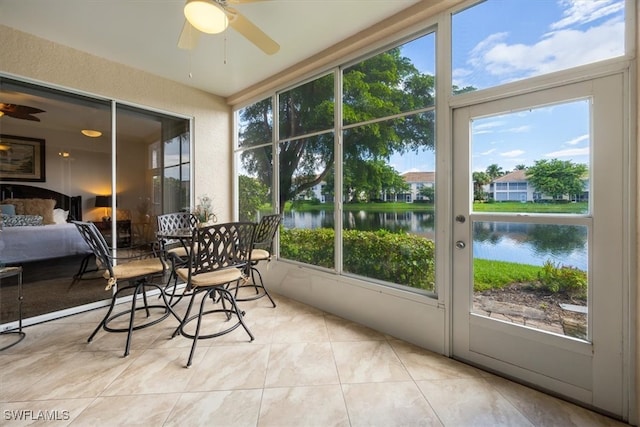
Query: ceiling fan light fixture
x=91, y=133
x=206, y=15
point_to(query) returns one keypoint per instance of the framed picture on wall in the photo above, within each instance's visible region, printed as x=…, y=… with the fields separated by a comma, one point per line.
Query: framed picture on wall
x=21, y=159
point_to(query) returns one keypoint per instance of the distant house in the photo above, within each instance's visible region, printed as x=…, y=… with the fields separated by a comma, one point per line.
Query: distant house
x=317, y=192
x=417, y=181
x=514, y=186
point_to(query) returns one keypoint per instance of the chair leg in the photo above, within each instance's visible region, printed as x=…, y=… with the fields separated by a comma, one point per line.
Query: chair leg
x=84, y=264
x=133, y=315
x=225, y=294
x=106, y=316
x=253, y=279
x=196, y=335
x=137, y=288
x=250, y=272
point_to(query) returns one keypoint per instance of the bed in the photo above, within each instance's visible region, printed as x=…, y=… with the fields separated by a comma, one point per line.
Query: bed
x=36, y=224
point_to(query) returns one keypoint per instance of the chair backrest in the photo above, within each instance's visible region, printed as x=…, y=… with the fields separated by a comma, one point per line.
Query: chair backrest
x=97, y=243
x=266, y=232
x=220, y=246
x=176, y=220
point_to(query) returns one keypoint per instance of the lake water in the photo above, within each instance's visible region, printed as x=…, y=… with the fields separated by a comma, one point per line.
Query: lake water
x=501, y=241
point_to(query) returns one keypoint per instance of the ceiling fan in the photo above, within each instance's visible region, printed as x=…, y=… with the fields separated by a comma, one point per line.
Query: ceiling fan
x=213, y=16
x=22, y=112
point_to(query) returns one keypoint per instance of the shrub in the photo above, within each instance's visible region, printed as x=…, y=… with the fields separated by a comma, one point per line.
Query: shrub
x=569, y=280
x=309, y=246
x=405, y=259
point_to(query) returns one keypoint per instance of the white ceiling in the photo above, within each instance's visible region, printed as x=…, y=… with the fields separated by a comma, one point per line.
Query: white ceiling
x=143, y=34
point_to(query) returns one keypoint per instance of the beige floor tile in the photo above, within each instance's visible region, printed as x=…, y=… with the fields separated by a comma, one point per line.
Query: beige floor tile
x=308, y=328
x=230, y=367
x=546, y=410
x=155, y=371
x=20, y=372
x=137, y=410
x=345, y=330
x=70, y=375
x=233, y=408
x=426, y=365
x=305, y=368
x=388, y=404
x=368, y=361
x=303, y=406
x=470, y=402
x=50, y=337
x=301, y=364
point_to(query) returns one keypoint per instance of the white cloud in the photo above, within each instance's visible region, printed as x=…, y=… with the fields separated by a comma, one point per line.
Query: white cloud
x=486, y=153
x=571, y=152
x=556, y=50
x=486, y=127
x=560, y=50
x=578, y=12
x=519, y=129
x=578, y=140
x=513, y=153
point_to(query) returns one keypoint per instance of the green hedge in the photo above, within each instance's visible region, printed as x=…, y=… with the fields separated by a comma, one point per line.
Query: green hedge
x=404, y=259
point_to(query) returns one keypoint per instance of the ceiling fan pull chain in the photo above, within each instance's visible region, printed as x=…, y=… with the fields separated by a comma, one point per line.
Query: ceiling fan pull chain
x=225, y=48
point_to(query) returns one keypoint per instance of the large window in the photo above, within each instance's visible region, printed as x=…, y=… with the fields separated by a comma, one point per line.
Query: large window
x=359, y=195
x=384, y=185
x=255, y=166
x=152, y=165
x=497, y=41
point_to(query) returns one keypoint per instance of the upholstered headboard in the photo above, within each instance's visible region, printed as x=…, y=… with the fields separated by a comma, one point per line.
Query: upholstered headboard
x=73, y=204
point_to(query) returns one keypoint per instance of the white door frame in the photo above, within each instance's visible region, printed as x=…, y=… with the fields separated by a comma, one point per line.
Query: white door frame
x=595, y=373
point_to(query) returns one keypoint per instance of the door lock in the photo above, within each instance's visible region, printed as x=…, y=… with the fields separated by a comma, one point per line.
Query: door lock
x=461, y=219
x=460, y=244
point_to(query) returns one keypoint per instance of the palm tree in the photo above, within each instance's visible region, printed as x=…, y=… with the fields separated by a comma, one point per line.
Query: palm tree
x=480, y=179
x=494, y=171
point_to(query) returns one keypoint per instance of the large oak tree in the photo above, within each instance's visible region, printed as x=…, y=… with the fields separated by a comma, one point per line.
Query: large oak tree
x=378, y=92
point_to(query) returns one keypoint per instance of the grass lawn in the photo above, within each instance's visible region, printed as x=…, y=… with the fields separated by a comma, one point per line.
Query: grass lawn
x=489, y=274
x=373, y=207
x=561, y=208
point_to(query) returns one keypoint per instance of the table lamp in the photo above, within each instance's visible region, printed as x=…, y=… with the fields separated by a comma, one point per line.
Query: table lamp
x=104, y=202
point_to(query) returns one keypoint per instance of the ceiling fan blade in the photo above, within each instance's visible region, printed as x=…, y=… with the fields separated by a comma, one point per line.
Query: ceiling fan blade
x=188, y=37
x=254, y=34
x=22, y=112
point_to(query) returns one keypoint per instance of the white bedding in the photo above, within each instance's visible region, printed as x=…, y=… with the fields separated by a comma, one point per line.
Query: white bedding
x=34, y=243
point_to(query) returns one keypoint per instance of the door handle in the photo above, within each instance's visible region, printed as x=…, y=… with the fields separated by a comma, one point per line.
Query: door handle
x=460, y=218
x=460, y=244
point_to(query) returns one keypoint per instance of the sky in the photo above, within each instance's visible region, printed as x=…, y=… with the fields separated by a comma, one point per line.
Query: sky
x=501, y=41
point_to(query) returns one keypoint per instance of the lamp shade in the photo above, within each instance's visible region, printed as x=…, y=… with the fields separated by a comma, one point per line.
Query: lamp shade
x=206, y=15
x=103, y=201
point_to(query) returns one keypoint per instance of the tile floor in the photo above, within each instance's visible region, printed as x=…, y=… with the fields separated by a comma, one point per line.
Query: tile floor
x=305, y=368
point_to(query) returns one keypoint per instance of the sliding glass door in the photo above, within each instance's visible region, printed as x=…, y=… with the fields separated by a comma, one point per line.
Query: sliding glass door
x=57, y=151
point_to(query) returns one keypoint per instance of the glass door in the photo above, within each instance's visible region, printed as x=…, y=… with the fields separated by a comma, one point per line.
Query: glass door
x=539, y=239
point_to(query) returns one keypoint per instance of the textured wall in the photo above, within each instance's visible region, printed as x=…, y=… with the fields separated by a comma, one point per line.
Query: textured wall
x=23, y=55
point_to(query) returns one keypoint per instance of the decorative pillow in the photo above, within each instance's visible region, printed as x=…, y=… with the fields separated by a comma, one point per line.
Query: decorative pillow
x=17, y=203
x=42, y=207
x=21, y=220
x=60, y=216
x=8, y=209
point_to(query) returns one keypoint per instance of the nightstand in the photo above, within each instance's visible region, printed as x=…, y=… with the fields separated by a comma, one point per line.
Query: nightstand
x=123, y=230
